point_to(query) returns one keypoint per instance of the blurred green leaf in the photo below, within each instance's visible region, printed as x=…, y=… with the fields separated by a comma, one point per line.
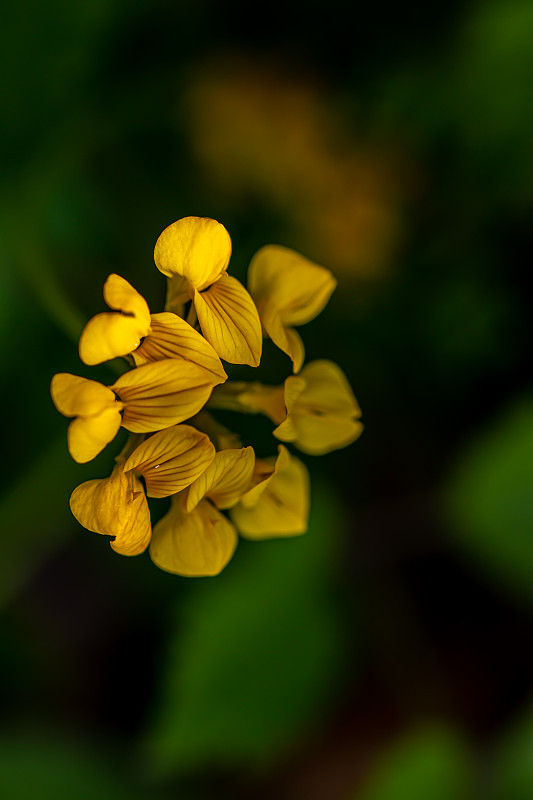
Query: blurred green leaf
x=510, y=775
x=496, y=70
x=489, y=498
x=254, y=653
x=42, y=766
x=429, y=764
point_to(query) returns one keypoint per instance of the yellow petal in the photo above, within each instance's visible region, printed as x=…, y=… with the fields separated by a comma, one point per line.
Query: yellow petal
x=197, y=544
x=289, y=283
x=172, y=337
x=87, y=436
x=121, y=296
x=108, y=336
x=265, y=469
x=196, y=248
x=96, y=409
x=293, y=388
x=287, y=339
x=74, y=396
x=279, y=505
x=118, y=333
x=178, y=293
x=295, y=350
x=288, y=290
x=162, y=394
x=230, y=322
x=322, y=412
x=116, y=507
x=225, y=480
x=172, y=459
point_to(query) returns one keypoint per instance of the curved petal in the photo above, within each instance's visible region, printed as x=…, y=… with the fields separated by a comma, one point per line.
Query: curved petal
x=281, y=508
x=286, y=430
x=120, y=295
x=116, y=507
x=193, y=545
x=172, y=459
x=162, y=394
x=290, y=284
x=117, y=333
x=74, y=396
x=287, y=339
x=295, y=349
x=172, y=337
x=225, y=480
x=87, y=436
x=264, y=471
x=197, y=248
x=230, y=322
x=108, y=336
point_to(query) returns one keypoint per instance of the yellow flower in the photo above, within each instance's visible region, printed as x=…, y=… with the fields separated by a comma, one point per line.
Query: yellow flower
x=131, y=329
x=194, y=539
x=203, y=466
x=193, y=545
x=119, y=332
x=315, y=410
x=169, y=461
x=115, y=507
x=225, y=480
x=322, y=412
x=146, y=399
x=288, y=290
x=278, y=502
x=194, y=253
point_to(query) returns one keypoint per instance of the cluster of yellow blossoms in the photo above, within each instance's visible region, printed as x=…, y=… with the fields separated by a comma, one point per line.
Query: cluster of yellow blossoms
x=177, y=372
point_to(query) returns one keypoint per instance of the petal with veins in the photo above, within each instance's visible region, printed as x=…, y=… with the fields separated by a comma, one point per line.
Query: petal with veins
x=172, y=459
x=193, y=545
x=230, y=322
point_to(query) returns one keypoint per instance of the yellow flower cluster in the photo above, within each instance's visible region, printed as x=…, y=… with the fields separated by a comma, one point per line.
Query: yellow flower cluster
x=177, y=372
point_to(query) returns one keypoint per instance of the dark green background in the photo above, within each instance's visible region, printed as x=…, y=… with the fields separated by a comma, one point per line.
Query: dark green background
x=387, y=654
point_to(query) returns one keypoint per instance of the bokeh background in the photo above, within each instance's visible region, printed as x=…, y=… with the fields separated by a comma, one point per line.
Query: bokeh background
x=388, y=653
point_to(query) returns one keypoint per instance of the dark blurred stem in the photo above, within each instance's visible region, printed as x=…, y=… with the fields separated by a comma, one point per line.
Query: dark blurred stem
x=192, y=317
x=47, y=289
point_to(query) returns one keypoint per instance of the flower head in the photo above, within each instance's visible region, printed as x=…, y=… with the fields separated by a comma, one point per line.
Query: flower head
x=217, y=486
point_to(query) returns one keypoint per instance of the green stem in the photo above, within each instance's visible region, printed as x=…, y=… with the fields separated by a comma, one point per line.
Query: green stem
x=134, y=440
x=222, y=437
x=48, y=291
x=250, y=398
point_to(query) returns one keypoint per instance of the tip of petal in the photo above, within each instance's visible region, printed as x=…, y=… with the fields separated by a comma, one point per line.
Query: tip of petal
x=198, y=248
